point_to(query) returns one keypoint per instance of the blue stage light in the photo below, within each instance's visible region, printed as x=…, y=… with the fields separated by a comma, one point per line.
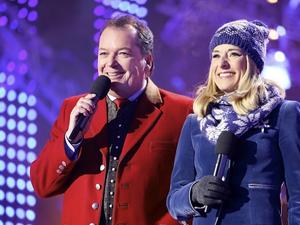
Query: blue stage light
x=10, y=197
x=21, y=184
x=2, y=179
x=2, y=92
x=2, y=165
x=11, y=95
x=20, y=213
x=2, y=195
x=2, y=121
x=11, y=124
x=21, y=141
x=21, y=155
x=21, y=169
x=31, y=200
x=22, y=98
x=32, y=129
x=11, y=138
x=11, y=110
x=11, y=153
x=2, y=107
x=30, y=215
x=22, y=111
x=10, y=182
x=21, y=126
x=21, y=198
x=2, y=150
x=31, y=156
x=29, y=186
x=11, y=78
x=2, y=77
x=31, y=143
x=10, y=212
x=31, y=114
x=11, y=167
x=2, y=135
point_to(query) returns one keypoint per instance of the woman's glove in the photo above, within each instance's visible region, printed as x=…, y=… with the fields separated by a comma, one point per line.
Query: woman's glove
x=209, y=191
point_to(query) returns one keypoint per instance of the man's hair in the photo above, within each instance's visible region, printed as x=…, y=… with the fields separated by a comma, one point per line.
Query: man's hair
x=250, y=89
x=144, y=34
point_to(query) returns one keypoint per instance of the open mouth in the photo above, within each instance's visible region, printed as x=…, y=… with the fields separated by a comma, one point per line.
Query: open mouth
x=226, y=74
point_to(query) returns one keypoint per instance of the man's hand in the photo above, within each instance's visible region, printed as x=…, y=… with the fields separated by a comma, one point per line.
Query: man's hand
x=83, y=106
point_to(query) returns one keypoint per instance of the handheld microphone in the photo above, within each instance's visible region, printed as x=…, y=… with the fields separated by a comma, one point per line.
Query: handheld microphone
x=100, y=87
x=225, y=147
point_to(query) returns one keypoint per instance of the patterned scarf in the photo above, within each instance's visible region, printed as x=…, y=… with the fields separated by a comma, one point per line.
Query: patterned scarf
x=222, y=117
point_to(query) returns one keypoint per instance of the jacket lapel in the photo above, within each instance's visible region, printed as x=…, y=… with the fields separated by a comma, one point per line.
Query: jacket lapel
x=147, y=114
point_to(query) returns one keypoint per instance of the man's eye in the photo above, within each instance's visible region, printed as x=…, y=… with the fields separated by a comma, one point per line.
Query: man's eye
x=102, y=53
x=124, y=53
x=215, y=56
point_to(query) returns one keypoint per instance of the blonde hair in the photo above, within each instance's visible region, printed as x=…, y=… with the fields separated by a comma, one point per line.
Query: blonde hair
x=251, y=88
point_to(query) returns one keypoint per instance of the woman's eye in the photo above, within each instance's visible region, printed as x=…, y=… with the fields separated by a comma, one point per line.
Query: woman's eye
x=102, y=53
x=235, y=54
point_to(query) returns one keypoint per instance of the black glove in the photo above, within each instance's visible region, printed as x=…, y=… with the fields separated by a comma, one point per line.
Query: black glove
x=210, y=191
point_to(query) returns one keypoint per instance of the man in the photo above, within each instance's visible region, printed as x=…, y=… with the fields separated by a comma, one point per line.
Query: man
x=117, y=170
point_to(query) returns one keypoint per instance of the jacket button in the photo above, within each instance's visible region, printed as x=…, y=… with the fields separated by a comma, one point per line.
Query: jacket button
x=92, y=224
x=95, y=205
x=102, y=167
x=98, y=187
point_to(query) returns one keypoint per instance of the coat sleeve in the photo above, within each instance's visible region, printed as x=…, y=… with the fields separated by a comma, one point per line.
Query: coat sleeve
x=289, y=143
x=50, y=171
x=183, y=176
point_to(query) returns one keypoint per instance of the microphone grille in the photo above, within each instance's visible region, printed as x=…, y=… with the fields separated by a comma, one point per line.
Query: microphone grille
x=226, y=143
x=101, y=86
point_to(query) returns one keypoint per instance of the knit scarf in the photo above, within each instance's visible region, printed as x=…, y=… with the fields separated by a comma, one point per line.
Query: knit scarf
x=222, y=117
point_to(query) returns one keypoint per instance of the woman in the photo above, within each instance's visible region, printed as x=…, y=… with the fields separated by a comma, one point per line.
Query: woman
x=238, y=100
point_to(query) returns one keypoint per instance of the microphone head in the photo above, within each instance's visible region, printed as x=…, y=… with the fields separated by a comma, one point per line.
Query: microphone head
x=226, y=143
x=101, y=86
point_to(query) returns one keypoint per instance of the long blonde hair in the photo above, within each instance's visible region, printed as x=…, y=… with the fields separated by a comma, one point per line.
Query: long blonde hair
x=251, y=88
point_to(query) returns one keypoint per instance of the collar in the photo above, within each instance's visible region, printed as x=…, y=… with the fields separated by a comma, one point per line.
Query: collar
x=151, y=92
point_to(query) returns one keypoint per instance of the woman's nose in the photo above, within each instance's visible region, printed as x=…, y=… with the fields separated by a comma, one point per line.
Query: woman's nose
x=224, y=64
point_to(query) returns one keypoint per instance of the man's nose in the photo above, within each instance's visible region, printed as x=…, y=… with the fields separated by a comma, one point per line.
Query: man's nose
x=112, y=61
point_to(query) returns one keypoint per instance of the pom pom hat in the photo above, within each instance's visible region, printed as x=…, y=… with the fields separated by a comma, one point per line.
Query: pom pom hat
x=251, y=37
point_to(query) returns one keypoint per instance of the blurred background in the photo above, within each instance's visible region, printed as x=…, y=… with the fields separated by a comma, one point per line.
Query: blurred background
x=48, y=52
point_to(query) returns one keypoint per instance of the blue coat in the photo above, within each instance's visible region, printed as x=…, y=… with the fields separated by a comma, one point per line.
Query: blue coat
x=268, y=155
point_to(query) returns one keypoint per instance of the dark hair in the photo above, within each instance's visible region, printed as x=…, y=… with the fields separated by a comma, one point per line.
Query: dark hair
x=144, y=34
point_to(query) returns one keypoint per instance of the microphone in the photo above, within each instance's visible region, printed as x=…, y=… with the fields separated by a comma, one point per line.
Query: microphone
x=100, y=87
x=225, y=147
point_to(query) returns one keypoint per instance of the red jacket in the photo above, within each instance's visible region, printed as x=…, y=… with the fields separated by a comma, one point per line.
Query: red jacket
x=145, y=163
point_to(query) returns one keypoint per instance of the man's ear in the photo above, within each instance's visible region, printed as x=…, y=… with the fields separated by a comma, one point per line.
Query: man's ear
x=149, y=63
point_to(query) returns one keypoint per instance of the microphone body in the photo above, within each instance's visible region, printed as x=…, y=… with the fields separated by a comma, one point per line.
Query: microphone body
x=225, y=147
x=100, y=87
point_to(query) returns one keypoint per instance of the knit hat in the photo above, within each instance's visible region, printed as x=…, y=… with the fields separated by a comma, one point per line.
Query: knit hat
x=251, y=37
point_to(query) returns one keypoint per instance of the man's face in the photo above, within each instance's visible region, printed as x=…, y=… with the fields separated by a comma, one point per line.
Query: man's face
x=120, y=58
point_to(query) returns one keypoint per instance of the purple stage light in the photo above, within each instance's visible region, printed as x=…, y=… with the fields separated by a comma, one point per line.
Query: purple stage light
x=32, y=16
x=3, y=21
x=33, y=3
x=99, y=10
x=23, y=12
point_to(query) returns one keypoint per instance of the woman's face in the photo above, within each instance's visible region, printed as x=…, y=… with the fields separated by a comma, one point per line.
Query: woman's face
x=228, y=64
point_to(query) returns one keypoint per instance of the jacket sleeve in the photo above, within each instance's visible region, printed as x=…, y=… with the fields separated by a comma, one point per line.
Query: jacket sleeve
x=183, y=176
x=49, y=173
x=289, y=143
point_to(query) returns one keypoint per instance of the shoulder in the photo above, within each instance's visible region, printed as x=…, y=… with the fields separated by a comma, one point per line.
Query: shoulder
x=73, y=99
x=289, y=106
x=171, y=96
x=289, y=113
